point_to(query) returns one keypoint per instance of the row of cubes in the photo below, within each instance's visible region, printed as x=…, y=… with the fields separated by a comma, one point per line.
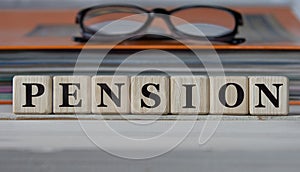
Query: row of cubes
x=241, y=95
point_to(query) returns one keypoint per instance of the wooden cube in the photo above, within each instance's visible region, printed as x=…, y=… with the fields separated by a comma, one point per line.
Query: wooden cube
x=269, y=95
x=32, y=94
x=71, y=94
x=150, y=94
x=189, y=94
x=110, y=94
x=229, y=95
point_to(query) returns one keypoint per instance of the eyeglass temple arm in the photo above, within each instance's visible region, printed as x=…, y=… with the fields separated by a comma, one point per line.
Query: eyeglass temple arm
x=236, y=41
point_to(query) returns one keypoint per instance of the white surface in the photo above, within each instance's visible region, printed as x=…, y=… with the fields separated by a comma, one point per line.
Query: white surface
x=236, y=146
x=43, y=136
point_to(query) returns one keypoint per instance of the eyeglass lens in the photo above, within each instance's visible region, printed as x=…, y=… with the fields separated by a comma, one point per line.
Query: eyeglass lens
x=115, y=21
x=210, y=21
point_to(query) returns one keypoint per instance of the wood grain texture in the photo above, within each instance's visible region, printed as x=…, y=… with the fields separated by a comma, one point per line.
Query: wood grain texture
x=79, y=91
x=119, y=86
x=269, y=108
x=161, y=90
x=230, y=95
x=189, y=94
x=42, y=104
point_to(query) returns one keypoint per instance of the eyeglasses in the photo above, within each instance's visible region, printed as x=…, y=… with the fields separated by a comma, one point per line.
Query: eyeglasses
x=108, y=22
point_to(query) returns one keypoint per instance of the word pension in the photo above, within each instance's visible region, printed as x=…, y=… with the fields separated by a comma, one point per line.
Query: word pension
x=240, y=95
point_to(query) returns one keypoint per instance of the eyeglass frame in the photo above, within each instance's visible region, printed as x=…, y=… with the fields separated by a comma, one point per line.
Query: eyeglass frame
x=152, y=14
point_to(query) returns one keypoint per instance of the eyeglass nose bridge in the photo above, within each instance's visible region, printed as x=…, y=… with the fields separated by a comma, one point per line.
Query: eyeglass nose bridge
x=160, y=11
x=163, y=14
